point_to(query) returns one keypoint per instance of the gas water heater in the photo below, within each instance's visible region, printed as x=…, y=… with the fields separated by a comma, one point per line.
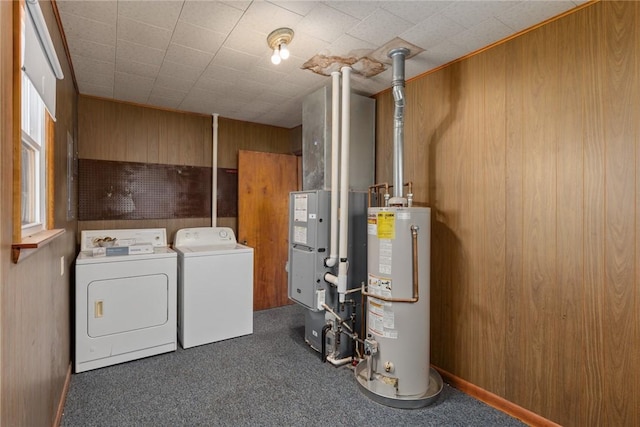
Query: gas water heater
x=395, y=370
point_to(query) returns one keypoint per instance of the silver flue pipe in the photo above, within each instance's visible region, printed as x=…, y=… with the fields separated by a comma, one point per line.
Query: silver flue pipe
x=397, y=84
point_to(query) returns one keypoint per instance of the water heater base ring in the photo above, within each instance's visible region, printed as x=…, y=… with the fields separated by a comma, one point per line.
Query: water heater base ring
x=413, y=402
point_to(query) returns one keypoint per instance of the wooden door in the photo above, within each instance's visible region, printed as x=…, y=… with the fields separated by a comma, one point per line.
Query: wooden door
x=264, y=183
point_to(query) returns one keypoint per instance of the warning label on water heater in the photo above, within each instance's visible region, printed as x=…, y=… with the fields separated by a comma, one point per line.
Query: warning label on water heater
x=381, y=317
x=386, y=225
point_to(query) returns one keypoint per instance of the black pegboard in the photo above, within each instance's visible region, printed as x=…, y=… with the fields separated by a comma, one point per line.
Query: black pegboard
x=128, y=190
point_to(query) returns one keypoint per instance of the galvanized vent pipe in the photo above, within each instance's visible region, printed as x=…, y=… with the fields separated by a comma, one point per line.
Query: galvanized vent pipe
x=398, y=56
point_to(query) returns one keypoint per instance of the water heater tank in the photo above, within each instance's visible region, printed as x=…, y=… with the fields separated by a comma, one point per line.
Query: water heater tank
x=396, y=370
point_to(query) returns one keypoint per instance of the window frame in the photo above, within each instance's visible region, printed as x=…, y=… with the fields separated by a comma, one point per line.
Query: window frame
x=33, y=128
x=27, y=244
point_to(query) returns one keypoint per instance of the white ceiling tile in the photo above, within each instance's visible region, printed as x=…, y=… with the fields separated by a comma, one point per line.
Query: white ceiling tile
x=272, y=98
x=526, y=13
x=234, y=59
x=89, y=29
x=445, y=52
x=299, y=7
x=483, y=34
x=219, y=72
x=306, y=78
x=128, y=51
x=238, y=4
x=357, y=9
x=419, y=64
x=142, y=64
x=198, y=38
x=144, y=34
x=469, y=13
x=163, y=14
x=326, y=23
x=379, y=27
x=124, y=80
x=286, y=88
x=266, y=76
x=188, y=56
x=87, y=66
x=215, y=16
x=92, y=50
x=100, y=79
x=181, y=71
x=348, y=45
x=432, y=31
x=414, y=11
x=137, y=68
x=305, y=46
x=208, y=84
x=103, y=11
x=164, y=92
x=265, y=17
x=246, y=39
x=175, y=83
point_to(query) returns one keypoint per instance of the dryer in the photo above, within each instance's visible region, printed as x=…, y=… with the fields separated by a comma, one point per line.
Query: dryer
x=126, y=297
x=215, y=286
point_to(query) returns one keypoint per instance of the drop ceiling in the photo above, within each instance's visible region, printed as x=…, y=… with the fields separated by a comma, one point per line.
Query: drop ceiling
x=212, y=56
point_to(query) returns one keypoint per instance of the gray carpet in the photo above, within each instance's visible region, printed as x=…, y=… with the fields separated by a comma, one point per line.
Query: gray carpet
x=269, y=378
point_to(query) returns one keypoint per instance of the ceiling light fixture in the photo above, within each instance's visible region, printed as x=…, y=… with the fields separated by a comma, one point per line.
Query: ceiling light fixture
x=278, y=41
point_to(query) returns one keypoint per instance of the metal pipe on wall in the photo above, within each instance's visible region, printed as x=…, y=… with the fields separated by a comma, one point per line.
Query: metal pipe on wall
x=335, y=144
x=214, y=172
x=344, y=183
x=397, y=84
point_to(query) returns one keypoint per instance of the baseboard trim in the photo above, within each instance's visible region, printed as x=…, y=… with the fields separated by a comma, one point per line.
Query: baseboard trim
x=495, y=401
x=63, y=398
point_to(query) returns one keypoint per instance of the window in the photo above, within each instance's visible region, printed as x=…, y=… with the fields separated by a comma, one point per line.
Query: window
x=32, y=160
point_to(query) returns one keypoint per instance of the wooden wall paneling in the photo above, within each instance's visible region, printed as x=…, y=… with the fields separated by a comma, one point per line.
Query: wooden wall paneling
x=384, y=138
x=150, y=119
x=462, y=161
x=471, y=174
x=493, y=320
x=136, y=148
x=123, y=126
x=235, y=135
x=416, y=144
x=635, y=346
x=570, y=223
x=174, y=132
x=593, y=400
x=516, y=333
x=443, y=92
x=620, y=98
x=538, y=305
x=163, y=137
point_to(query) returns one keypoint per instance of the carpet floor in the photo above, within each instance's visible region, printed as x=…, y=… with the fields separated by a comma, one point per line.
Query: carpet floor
x=269, y=378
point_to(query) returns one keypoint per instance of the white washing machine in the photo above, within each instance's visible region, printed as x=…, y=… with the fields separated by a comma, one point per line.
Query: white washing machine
x=215, y=286
x=126, y=297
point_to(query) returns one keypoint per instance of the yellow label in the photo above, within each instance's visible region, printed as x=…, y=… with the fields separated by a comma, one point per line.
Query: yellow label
x=386, y=225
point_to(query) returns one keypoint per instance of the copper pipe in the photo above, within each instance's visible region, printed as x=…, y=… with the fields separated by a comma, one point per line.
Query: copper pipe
x=414, y=259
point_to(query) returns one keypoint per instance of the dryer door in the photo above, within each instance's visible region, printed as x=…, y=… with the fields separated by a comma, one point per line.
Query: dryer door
x=127, y=304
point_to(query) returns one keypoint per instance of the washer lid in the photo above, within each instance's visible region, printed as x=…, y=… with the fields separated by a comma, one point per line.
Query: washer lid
x=204, y=250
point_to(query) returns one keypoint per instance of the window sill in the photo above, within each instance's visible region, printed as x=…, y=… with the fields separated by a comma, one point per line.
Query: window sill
x=30, y=244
